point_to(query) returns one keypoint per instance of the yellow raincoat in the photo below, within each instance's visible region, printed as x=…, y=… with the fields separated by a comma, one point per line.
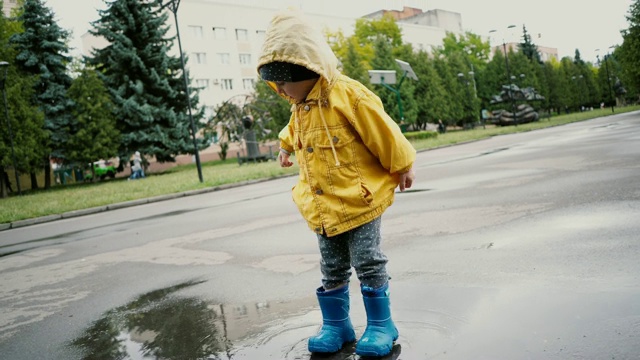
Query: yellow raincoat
x=349, y=150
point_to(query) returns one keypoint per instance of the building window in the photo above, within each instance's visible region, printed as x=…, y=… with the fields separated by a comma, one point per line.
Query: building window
x=219, y=33
x=200, y=58
x=223, y=58
x=202, y=84
x=260, y=35
x=242, y=35
x=196, y=31
x=245, y=59
x=226, y=84
x=248, y=84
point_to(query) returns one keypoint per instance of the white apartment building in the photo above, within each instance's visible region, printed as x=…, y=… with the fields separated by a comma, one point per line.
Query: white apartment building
x=9, y=5
x=223, y=41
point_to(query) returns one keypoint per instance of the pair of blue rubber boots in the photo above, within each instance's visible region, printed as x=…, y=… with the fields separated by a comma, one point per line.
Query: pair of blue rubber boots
x=337, y=329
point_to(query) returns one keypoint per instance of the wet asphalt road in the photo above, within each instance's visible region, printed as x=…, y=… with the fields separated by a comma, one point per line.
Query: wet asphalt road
x=524, y=246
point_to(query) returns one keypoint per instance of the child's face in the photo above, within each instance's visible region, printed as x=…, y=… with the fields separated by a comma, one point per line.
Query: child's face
x=296, y=90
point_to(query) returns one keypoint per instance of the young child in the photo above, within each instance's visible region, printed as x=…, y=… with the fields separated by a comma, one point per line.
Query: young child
x=352, y=156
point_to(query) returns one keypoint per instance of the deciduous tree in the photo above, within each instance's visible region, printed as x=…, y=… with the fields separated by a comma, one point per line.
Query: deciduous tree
x=629, y=52
x=95, y=136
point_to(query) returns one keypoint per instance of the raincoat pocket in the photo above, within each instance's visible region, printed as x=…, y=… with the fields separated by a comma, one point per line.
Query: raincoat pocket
x=342, y=140
x=355, y=196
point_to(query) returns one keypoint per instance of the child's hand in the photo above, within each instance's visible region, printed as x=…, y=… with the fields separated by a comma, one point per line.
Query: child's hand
x=284, y=159
x=406, y=179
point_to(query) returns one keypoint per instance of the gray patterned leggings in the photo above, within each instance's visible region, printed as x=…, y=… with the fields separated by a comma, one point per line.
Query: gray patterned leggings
x=359, y=248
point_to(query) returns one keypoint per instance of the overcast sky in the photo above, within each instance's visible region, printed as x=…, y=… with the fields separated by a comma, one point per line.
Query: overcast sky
x=563, y=24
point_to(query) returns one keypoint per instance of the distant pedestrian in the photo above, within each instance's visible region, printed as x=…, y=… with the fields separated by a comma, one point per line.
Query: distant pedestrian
x=441, y=128
x=137, y=172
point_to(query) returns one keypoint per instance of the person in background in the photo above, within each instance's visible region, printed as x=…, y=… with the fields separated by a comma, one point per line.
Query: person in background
x=137, y=172
x=441, y=128
x=352, y=156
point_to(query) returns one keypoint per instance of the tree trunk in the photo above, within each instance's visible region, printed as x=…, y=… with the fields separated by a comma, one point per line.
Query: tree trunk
x=47, y=174
x=34, y=181
x=3, y=185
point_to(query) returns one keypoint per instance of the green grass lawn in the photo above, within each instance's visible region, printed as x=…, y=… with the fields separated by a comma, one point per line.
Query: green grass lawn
x=61, y=199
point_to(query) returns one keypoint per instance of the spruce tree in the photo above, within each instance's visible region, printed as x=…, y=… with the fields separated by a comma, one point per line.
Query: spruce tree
x=41, y=51
x=145, y=83
x=528, y=48
x=95, y=136
x=577, y=58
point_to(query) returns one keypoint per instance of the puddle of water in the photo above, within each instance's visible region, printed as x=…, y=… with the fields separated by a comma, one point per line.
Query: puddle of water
x=164, y=325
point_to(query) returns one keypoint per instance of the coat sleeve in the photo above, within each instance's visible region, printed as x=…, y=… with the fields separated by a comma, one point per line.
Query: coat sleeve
x=286, y=136
x=381, y=135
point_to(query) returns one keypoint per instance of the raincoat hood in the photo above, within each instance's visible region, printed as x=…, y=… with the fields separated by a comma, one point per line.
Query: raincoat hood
x=292, y=38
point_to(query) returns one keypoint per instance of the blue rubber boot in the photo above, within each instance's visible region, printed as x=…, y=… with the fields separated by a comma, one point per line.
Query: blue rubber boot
x=336, y=326
x=381, y=332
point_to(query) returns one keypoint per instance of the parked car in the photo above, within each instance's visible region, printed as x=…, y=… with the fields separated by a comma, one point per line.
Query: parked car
x=103, y=169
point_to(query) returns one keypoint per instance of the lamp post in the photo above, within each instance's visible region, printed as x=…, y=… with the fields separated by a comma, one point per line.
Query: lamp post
x=511, y=90
x=173, y=6
x=476, y=103
x=467, y=86
x=606, y=66
x=5, y=65
x=472, y=74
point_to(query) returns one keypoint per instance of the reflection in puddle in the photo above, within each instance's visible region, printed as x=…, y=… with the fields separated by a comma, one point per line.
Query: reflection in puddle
x=156, y=325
